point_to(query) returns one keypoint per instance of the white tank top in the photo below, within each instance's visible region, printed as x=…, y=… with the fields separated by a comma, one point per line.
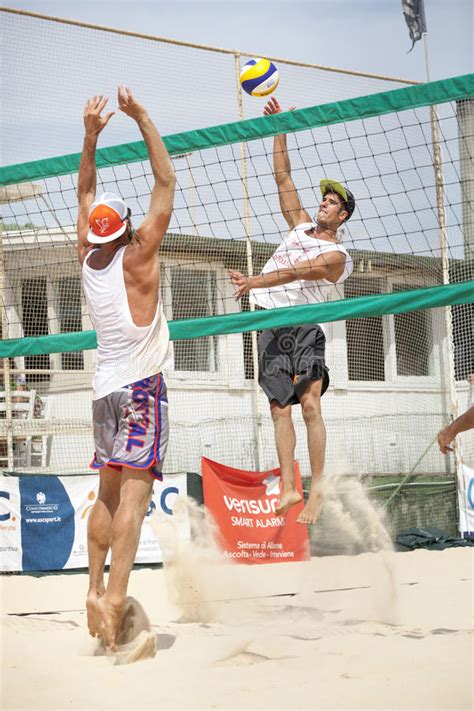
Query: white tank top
x=297, y=247
x=125, y=352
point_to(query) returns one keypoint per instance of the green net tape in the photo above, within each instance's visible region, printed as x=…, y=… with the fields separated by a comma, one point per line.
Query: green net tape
x=436, y=92
x=360, y=307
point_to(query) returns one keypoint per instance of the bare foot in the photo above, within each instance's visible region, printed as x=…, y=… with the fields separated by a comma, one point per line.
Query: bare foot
x=93, y=612
x=287, y=500
x=111, y=616
x=311, y=511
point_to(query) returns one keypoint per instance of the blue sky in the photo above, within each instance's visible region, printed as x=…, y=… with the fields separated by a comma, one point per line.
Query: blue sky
x=50, y=69
x=365, y=35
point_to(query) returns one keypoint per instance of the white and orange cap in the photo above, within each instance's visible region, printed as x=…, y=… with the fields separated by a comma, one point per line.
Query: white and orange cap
x=107, y=219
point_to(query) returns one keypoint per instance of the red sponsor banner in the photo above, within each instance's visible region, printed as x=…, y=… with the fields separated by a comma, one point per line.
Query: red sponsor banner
x=243, y=506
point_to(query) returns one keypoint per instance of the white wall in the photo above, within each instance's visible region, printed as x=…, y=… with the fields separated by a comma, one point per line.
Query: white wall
x=381, y=430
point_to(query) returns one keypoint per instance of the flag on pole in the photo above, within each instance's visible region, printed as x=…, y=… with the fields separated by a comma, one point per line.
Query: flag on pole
x=414, y=13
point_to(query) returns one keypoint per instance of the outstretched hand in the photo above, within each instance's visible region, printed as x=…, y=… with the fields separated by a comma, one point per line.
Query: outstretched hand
x=129, y=105
x=273, y=107
x=445, y=437
x=242, y=283
x=93, y=121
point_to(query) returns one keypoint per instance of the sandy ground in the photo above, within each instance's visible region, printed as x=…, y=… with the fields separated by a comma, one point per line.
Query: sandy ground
x=373, y=631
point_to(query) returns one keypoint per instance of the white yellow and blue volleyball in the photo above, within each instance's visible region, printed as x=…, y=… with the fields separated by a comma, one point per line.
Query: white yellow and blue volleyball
x=259, y=77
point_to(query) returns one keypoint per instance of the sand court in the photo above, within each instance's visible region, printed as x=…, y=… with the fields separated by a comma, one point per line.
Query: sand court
x=373, y=631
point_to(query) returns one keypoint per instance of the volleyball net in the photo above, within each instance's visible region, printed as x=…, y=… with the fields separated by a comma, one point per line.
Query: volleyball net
x=399, y=330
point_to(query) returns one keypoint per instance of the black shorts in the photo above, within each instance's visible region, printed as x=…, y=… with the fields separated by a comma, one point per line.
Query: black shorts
x=289, y=359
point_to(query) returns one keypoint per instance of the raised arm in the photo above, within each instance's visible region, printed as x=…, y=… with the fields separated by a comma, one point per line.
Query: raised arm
x=290, y=203
x=152, y=230
x=94, y=123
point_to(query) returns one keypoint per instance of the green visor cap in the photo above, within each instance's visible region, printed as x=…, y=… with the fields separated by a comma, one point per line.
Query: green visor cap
x=335, y=187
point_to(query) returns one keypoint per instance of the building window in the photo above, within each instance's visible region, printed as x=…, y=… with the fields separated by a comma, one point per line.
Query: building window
x=34, y=306
x=69, y=311
x=413, y=341
x=463, y=339
x=194, y=295
x=364, y=336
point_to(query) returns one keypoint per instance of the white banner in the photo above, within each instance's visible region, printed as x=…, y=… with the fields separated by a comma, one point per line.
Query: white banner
x=43, y=520
x=466, y=499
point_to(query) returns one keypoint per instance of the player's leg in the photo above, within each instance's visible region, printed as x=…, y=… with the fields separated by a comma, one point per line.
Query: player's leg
x=316, y=437
x=135, y=496
x=285, y=440
x=98, y=541
x=275, y=376
x=141, y=457
x=311, y=382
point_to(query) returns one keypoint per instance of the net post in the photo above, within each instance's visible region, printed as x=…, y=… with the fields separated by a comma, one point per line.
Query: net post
x=465, y=119
x=439, y=181
x=249, y=256
x=449, y=378
x=6, y=362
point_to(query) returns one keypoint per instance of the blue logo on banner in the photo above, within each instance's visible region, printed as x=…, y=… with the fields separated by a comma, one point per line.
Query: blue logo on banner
x=470, y=492
x=151, y=508
x=4, y=495
x=164, y=495
x=47, y=523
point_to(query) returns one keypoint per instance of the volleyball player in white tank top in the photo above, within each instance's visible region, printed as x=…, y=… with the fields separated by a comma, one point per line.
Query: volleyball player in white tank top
x=292, y=369
x=121, y=283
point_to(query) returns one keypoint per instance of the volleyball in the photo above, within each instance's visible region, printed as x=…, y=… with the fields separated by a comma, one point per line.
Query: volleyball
x=259, y=77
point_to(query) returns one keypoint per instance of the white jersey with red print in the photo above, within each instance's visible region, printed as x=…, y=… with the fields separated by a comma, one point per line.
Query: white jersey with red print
x=125, y=352
x=299, y=246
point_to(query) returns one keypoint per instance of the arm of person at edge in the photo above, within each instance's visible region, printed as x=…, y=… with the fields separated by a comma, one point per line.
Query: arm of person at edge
x=94, y=123
x=150, y=233
x=461, y=424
